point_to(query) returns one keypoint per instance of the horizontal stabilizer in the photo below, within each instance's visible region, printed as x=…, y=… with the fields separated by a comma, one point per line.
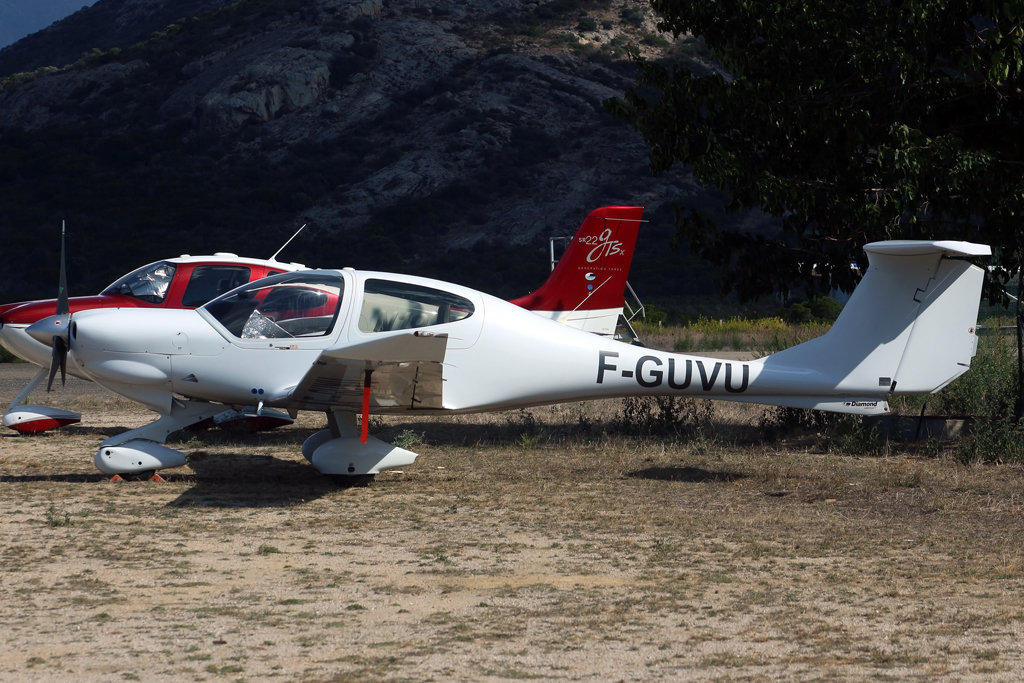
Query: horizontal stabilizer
x=925, y=247
x=850, y=405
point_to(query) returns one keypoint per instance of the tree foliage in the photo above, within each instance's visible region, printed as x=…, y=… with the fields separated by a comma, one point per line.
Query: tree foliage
x=848, y=121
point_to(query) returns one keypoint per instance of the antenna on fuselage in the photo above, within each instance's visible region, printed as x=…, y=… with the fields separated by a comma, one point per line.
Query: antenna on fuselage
x=274, y=257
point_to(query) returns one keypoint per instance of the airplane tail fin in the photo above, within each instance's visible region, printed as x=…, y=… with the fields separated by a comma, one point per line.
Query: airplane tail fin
x=908, y=328
x=587, y=287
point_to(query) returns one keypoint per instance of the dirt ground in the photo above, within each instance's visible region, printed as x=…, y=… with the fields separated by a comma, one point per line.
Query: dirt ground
x=537, y=544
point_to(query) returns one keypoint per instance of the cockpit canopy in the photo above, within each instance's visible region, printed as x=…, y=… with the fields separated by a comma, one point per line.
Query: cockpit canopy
x=307, y=304
x=148, y=283
x=152, y=283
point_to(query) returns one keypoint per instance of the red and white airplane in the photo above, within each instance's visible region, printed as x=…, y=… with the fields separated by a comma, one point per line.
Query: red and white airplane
x=351, y=343
x=182, y=282
x=585, y=290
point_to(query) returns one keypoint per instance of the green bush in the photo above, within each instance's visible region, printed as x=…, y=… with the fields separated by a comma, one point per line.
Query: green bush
x=993, y=440
x=816, y=309
x=987, y=391
x=988, y=394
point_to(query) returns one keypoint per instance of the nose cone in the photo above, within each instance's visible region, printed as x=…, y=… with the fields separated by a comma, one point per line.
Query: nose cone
x=43, y=331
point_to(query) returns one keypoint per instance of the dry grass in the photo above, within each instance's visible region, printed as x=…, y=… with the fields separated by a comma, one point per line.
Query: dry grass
x=539, y=544
x=759, y=336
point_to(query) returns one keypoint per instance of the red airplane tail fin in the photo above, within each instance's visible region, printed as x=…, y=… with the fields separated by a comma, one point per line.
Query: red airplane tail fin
x=587, y=288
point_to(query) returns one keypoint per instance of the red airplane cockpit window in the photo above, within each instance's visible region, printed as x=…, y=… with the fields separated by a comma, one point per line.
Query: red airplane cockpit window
x=148, y=283
x=390, y=305
x=287, y=305
x=211, y=281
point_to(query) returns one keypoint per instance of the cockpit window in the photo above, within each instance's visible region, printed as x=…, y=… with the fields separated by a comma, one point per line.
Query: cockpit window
x=389, y=305
x=209, y=281
x=148, y=283
x=301, y=304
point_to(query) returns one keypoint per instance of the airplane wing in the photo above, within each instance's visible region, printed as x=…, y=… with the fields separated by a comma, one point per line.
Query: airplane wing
x=405, y=370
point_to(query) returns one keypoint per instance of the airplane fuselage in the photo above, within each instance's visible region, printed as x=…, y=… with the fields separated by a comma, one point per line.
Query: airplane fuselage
x=500, y=356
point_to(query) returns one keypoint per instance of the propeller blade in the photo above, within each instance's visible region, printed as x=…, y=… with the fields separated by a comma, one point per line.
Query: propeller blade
x=63, y=305
x=55, y=330
x=58, y=360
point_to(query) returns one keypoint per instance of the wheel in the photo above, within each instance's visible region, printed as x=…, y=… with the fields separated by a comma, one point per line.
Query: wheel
x=348, y=481
x=144, y=475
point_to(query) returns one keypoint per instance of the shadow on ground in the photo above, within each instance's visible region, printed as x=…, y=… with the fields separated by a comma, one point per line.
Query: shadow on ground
x=693, y=475
x=242, y=480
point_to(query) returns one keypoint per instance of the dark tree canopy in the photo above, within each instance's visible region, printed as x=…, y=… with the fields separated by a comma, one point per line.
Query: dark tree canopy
x=848, y=121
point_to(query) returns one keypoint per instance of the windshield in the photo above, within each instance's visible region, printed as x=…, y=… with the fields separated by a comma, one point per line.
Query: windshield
x=302, y=304
x=148, y=283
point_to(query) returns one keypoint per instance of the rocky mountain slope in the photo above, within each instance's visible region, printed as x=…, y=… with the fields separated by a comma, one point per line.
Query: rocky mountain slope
x=442, y=138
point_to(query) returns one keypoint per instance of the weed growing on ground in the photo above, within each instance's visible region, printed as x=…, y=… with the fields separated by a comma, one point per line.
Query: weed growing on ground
x=57, y=518
x=408, y=439
x=663, y=416
x=523, y=420
x=832, y=432
x=852, y=435
x=779, y=421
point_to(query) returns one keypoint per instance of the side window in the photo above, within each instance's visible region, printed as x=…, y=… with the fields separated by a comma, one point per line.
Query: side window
x=209, y=282
x=389, y=305
x=288, y=305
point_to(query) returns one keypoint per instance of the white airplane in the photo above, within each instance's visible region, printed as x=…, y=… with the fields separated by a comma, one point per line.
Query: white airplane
x=351, y=343
x=585, y=290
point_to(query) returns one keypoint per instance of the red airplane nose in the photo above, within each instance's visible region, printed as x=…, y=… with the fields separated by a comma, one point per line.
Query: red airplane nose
x=26, y=313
